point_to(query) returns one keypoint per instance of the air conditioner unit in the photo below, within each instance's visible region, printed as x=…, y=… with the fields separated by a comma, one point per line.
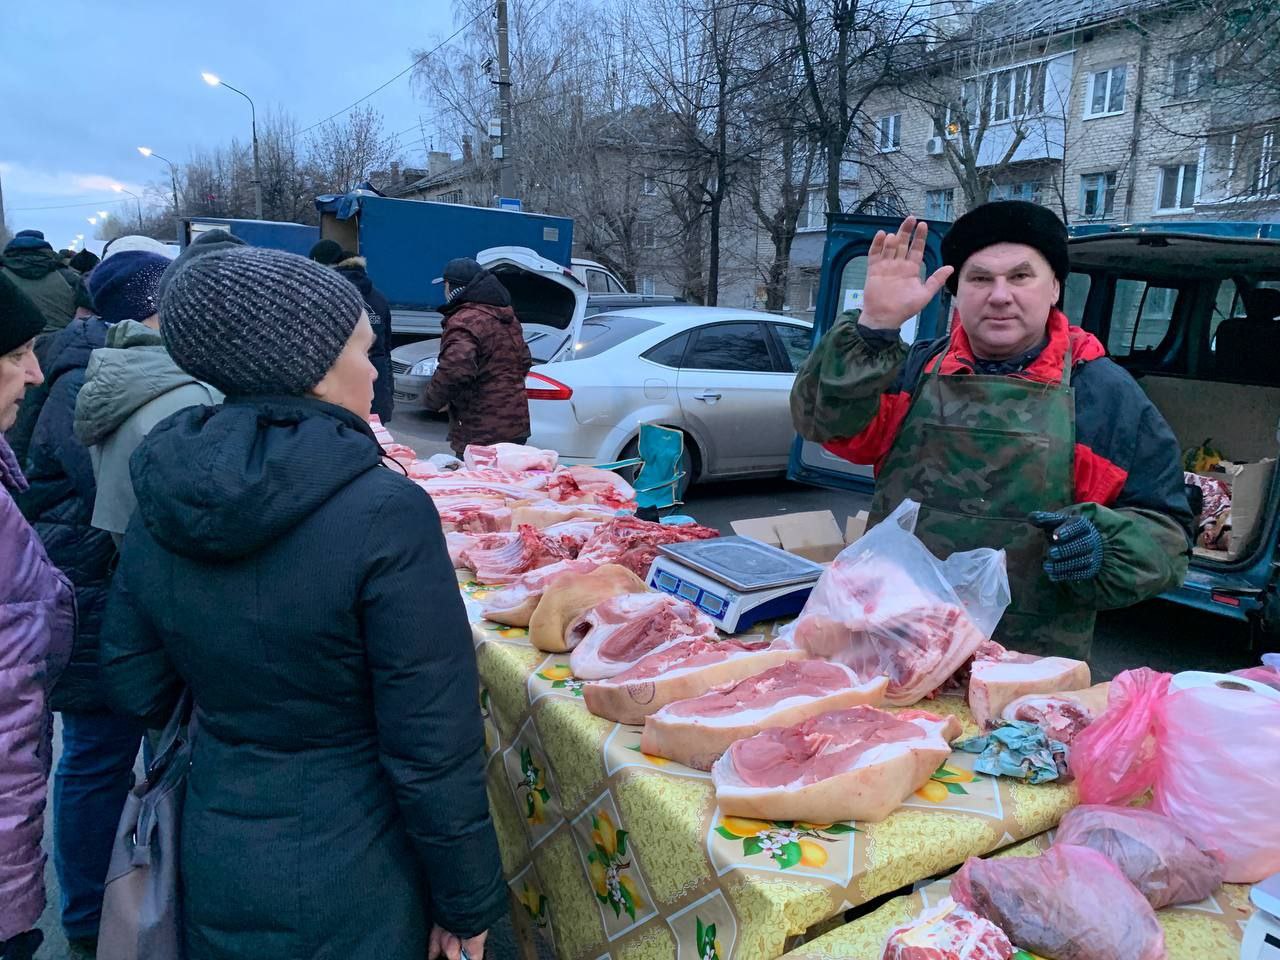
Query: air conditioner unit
x=934, y=146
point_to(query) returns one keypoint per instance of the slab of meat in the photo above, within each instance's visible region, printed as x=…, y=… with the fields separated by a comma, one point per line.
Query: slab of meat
x=994, y=684
x=460, y=484
x=591, y=485
x=572, y=534
x=686, y=668
x=511, y=457
x=634, y=543
x=567, y=598
x=527, y=549
x=1162, y=860
x=515, y=604
x=948, y=932
x=855, y=764
x=1061, y=715
x=612, y=636
x=870, y=615
x=472, y=514
x=698, y=731
x=1069, y=903
x=546, y=513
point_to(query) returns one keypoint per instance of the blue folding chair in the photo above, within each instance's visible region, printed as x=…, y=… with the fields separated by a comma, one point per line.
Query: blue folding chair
x=661, y=452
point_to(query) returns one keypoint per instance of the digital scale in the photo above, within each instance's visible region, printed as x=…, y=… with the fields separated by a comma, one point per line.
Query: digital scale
x=1262, y=933
x=736, y=581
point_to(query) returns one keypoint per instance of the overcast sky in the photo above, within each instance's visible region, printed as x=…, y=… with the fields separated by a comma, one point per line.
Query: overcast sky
x=83, y=83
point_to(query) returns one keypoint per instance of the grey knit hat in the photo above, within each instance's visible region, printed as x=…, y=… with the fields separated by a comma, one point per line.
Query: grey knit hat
x=254, y=321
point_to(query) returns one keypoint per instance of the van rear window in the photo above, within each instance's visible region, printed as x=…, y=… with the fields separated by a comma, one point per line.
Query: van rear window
x=1140, y=317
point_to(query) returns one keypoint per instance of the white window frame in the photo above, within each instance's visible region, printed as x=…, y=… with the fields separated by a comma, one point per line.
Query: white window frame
x=1013, y=191
x=1264, y=181
x=893, y=142
x=948, y=195
x=1182, y=187
x=1090, y=90
x=1105, y=181
x=648, y=234
x=648, y=186
x=813, y=214
x=646, y=285
x=1194, y=72
x=1024, y=80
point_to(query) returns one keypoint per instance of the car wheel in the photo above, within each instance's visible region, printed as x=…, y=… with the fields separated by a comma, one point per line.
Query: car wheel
x=688, y=465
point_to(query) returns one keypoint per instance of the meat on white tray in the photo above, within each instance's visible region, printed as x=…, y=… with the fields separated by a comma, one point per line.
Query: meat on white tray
x=697, y=731
x=615, y=634
x=855, y=764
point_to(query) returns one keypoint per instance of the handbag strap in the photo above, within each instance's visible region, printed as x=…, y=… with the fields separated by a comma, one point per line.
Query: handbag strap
x=173, y=735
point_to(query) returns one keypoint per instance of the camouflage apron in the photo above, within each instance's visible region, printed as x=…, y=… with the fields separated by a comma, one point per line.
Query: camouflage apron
x=980, y=453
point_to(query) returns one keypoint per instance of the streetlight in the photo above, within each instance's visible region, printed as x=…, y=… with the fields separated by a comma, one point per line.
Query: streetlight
x=119, y=189
x=173, y=179
x=93, y=221
x=103, y=214
x=213, y=80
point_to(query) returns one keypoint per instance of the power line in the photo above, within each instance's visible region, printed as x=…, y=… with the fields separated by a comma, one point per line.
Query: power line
x=388, y=83
x=69, y=206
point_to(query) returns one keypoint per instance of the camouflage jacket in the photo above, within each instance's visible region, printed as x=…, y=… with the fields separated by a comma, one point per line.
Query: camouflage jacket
x=483, y=363
x=853, y=392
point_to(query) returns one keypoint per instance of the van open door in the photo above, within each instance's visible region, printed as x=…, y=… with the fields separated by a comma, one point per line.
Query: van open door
x=844, y=273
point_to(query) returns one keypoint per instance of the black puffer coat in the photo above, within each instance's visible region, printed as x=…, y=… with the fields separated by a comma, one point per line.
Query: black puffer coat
x=353, y=268
x=59, y=505
x=336, y=805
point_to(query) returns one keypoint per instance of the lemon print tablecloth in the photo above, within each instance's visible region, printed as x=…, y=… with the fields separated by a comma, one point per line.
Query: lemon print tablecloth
x=611, y=853
x=1209, y=930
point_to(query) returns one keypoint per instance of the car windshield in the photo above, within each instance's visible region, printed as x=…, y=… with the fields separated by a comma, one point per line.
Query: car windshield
x=605, y=331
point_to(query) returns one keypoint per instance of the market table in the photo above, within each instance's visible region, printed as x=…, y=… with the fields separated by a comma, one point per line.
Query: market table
x=1209, y=930
x=612, y=853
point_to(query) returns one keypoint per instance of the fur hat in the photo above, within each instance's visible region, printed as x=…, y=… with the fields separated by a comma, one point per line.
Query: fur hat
x=1006, y=221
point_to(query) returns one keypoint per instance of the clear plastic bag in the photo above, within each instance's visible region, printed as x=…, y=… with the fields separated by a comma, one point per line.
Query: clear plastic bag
x=1070, y=903
x=889, y=606
x=1157, y=856
x=1206, y=752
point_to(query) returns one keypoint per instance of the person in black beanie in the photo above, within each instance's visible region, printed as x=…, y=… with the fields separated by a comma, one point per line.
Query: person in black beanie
x=1014, y=431
x=355, y=269
x=268, y=531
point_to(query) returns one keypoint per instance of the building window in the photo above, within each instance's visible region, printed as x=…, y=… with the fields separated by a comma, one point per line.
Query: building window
x=647, y=286
x=1261, y=158
x=1012, y=94
x=1028, y=190
x=453, y=196
x=1106, y=92
x=1098, y=195
x=1184, y=75
x=813, y=212
x=1177, y=187
x=649, y=186
x=648, y=234
x=940, y=204
x=889, y=133
x=886, y=205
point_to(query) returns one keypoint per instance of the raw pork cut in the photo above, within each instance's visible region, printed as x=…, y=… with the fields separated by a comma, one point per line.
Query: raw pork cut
x=568, y=598
x=591, y=485
x=948, y=932
x=613, y=635
x=1061, y=715
x=461, y=484
x=572, y=534
x=472, y=514
x=698, y=731
x=526, y=550
x=1157, y=856
x=546, y=513
x=872, y=616
x=1069, y=903
x=687, y=668
x=856, y=764
x=993, y=684
x=515, y=604
x=511, y=457
x=634, y=543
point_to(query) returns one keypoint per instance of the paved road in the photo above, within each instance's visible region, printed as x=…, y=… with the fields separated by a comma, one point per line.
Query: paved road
x=1155, y=634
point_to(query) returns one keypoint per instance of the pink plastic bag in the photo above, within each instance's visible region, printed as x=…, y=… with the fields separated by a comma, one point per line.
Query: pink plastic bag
x=1208, y=754
x=1268, y=673
x=1156, y=855
x=1070, y=903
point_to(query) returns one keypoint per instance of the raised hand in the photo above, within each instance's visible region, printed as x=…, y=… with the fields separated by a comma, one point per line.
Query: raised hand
x=894, y=292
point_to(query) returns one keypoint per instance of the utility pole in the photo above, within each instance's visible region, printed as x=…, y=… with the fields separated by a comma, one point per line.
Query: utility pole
x=507, y=175
x=4, y=229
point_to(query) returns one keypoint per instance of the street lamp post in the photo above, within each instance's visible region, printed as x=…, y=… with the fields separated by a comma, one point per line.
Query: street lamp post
x=215, y=81
x=138, y=200
x=173, y=179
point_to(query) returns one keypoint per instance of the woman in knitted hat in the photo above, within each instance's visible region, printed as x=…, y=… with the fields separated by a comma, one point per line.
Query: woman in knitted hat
x=1014, y=431
x=336, y=805
x=37, y=620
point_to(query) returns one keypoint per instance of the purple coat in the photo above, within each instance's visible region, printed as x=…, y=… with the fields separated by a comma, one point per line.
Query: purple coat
x=37, y=625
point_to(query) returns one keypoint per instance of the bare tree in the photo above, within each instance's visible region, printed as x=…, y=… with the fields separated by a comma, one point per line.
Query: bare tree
x=344, y=152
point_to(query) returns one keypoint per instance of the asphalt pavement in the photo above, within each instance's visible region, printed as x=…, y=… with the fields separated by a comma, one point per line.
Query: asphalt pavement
x=1156, y=634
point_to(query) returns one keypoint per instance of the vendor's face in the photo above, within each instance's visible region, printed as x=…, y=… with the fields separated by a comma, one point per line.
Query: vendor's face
x=1004, y=296
x=349, y=382
x=18, y=370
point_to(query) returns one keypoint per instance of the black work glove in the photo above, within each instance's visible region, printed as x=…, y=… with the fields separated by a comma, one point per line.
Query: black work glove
x=1076, y=550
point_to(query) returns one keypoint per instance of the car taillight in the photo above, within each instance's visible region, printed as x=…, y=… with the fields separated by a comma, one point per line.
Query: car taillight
x=539, y=387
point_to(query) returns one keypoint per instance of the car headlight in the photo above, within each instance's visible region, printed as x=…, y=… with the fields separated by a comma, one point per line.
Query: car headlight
x=425, y=367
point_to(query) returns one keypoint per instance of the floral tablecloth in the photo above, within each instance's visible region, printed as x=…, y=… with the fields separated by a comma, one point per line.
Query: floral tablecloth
x=612, y=853
x=1210, y=930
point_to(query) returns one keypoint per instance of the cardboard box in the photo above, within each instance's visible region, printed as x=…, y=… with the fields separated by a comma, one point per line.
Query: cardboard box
x=814, y=535
x=1250, y=486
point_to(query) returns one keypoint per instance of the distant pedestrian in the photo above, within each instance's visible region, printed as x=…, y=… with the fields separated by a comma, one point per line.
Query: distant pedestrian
x=37, y=620
x=302, y=591
x=84, y=261
x=57, y=291
x=483, y=361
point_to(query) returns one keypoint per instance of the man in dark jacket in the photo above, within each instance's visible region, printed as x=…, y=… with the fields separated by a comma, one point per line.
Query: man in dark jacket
x=483, y=361
x=30, y=261
x=355, y=269
x=1014, y=432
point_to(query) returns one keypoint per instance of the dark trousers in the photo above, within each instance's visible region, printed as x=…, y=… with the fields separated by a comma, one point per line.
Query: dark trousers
x=89, y=789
